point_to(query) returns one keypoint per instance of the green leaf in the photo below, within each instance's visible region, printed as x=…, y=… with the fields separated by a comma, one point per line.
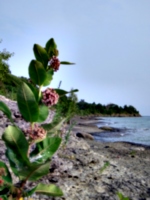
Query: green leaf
x=35, y=171
x=66, y=63
x=4, y=108
x=121, y=196
x=41, y=54
x=16, y=163
x=52, y=128
x=106, y=164
x=17, y=148
x=15, y=140
x=63, y=92
x=28, y=193
x=46, y=149
x=51, y=48
x=4, y=197
x=6, y=176
x=25, y=169
x=43, y=113
x=37, y=72
x=67, y=135
x=27, y=103
x=49, y=190
x=49, y=77
x=35, y=90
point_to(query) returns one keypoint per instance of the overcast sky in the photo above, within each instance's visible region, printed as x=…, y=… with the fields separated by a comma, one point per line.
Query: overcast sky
x=109, y=40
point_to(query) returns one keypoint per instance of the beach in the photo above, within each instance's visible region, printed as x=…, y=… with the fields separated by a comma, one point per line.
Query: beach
x=128, y=171
x=86, y=169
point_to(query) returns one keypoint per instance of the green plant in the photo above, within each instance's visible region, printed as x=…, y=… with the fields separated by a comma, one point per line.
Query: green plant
x=4, y=67
x=29, y=156
x=133, y=153
x=106, y=164
x=121, y=196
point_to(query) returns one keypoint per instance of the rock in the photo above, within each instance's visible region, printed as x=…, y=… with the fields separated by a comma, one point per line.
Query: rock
x=108, y=128
x=85, y=136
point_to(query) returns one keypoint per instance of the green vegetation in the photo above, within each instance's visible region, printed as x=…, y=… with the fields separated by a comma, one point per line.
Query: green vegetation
x=85, y=108
x=106, y=164
x=121, y=196
x=6, y=86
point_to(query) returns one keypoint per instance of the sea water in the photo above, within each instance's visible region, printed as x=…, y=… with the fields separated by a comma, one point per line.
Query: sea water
x=128, y=129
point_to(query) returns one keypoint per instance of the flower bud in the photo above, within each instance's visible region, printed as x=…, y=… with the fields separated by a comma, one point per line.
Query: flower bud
x=37, y=133
x=50, y=97
x=54, y=63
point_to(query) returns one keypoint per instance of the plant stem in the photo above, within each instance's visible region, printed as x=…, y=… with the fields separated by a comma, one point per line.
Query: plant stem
x=40, y=88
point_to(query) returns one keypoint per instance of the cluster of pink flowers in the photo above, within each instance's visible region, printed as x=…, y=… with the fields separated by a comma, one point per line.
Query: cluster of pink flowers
x=54, y=63
x=36, y=133
x=50, y=97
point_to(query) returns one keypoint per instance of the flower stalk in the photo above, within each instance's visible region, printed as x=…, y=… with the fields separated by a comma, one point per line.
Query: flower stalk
x=23, y=147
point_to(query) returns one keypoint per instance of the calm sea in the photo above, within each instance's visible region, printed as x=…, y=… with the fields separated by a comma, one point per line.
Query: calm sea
x=131, y=129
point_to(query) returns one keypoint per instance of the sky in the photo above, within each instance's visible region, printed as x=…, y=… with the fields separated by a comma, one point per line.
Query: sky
x=109, y=40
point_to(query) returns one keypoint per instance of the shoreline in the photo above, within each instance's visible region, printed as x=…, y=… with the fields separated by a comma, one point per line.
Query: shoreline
x=129, y=164
x=89, y=125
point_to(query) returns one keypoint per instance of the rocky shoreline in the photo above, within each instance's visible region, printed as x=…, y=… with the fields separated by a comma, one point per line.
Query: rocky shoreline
x=89, y=170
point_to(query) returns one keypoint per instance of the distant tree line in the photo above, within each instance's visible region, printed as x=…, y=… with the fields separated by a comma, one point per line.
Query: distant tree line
x=111, y=109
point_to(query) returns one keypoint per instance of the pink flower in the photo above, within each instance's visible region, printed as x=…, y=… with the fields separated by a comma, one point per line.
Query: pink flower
x=50, y=97
x=37, y=133
x=54, y=63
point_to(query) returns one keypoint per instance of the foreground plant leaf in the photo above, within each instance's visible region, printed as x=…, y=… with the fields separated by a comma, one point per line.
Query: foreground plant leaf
x=66, y=63
x=34, y=172
x=43, y=113
x=51, y=48
x=17, y=148
x=53, y=127
x=41, y=54
x=35, y=91
x=4, y=108
x=7, y=176
x=27, y=103
x=63, y=92
x=49, y=77
x=46, y=149
x=49, y=190
x=28, y=193
x=37, y=72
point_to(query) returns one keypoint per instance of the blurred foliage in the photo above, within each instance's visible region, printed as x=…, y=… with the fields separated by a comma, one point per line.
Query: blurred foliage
x=67, y=105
